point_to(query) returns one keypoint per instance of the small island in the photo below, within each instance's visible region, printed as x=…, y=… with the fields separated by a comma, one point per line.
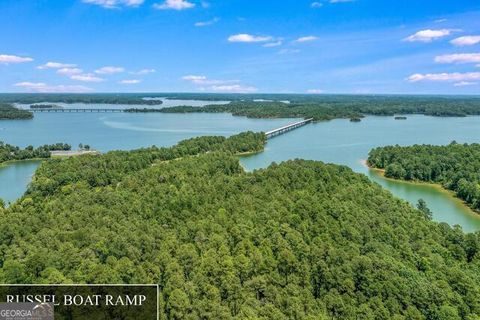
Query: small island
x=45, y=106
x=355, y=119
x=142, y=110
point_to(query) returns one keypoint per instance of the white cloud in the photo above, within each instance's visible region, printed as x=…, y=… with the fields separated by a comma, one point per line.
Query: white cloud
x=194, y=79
x=207, y=23
x=464, y=84
x=7, y=59
x=56, y=65
x=44, y=88
x=30, y=85
x=459, y=58
x=87, y=77
x=69, y=71
x=174, y=5
x=428, y=35
x=130, y=81
x=465, y=41
x=316, y=5
x=273, y=44
x=111, y=4
x=452, y=77
x=234, y=88
x=109, y=70
x=306, y=39
x=144, y=71
x=202, y=80
x=315, y=91
x=244, y=37
x=206, y=84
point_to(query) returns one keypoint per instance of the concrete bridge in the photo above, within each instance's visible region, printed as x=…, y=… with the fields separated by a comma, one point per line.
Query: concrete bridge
x=74, y=110
x=284, y=129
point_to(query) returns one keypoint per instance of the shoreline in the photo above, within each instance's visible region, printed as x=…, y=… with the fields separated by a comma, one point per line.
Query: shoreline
x=248, y=153
x=10, y=162
x=450, y=193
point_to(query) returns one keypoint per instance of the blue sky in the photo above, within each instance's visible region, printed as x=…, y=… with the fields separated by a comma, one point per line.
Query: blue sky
x=288, y=46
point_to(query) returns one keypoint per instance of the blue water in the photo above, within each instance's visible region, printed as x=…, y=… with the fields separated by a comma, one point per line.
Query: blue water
x=125, y=131
x=111, y=131
x=337, y=141
x=14, y=179
x=348, y=143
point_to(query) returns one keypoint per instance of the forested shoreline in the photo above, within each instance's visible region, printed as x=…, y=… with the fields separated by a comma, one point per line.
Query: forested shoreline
x=13, y=153
x=333, y=107
x=297, y=240
x=9, y=112
x=319, y=107
x=456, y=167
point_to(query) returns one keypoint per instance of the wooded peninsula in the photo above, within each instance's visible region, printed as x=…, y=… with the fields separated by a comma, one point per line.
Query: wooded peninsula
x=456, y=167
x=13, y=153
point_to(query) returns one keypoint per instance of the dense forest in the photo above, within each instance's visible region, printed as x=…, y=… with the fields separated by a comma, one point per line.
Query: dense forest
x=456, y=166
x=101, y=98
x=298, y=240
x=10, y=153
x=9, y=112
x=332, y=107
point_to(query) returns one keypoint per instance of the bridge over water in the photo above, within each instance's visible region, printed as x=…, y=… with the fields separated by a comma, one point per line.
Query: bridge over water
x=75, y=110
x=284, y=129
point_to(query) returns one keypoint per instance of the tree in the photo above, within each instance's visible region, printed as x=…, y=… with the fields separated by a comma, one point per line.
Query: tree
x=423, y=207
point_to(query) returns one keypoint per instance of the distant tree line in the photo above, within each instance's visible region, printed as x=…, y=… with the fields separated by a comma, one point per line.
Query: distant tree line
x=332, y=107
x=455, y=166
x=142, y=110
x=9, y=112
x=319, y=107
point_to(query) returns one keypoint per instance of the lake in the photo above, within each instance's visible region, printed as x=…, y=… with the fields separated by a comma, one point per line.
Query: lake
x=15, y=177
x=112, y=131
x=337, y=141
x=166, y=103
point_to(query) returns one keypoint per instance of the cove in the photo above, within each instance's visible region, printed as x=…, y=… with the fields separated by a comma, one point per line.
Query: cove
x=15, y=177
x=347, y=143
